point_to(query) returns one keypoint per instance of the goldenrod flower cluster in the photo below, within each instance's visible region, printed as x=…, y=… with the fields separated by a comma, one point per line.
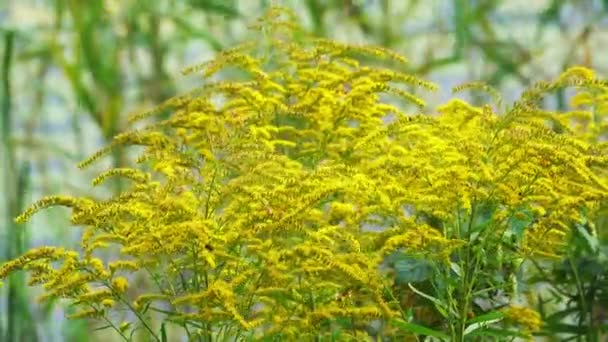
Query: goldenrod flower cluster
x=298, y=165
x=525, y=317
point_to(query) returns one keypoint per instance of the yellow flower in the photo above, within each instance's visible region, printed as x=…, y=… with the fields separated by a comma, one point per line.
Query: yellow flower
x=529, y=319
x=124, y=326
x=120, y=284
x=108, y=303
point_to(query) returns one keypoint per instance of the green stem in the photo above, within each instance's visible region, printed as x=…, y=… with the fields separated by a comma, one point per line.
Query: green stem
x=10, y=173
x=469, y=270
x=20, y=325
x=120, y=333
x=581, y=293
x=135, y=312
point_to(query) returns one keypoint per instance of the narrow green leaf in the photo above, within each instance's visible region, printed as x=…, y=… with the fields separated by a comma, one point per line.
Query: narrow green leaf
x=567, y=328
x=592, y=242
x=483, y=321
x=560, y=315
x=429, y=297
x=497, y=333
x=420, y=329
x=146, y=307
x=133, y=333
x=216, y=7
x=163, y=333
x=441, y=307
x=487, y=317
x=456, y=268
x=102, y=327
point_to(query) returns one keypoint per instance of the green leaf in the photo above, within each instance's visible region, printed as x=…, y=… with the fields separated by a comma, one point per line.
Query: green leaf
x=456, y=268
x=102, y=327
x=560, y=315
x=519, y=223
x=441, y=307
x=412, y=270
x=216, y=7
x=133, y=333
x=483, y=321
x=419, y=329
x=163, y=333
x=487, y=317
x=591, y=241
x=146, y=308
x=567, y=328
x=498, y=333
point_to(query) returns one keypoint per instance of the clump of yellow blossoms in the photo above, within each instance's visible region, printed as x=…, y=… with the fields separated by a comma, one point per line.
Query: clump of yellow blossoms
x=273, y=190
x=525, y=317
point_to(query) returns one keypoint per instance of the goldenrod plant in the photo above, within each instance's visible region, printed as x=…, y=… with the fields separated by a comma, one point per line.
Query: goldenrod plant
x=284, y=198
x=575, y=307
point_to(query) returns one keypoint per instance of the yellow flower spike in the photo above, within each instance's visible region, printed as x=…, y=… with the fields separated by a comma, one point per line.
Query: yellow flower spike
x=90, y=313
x=120, y=284
x=107, y=303
x=45, y=203
x=98, y=268
x=133, y=174
x=127, y=265
x=529, y=319
x=41, y=253
x=578, y=72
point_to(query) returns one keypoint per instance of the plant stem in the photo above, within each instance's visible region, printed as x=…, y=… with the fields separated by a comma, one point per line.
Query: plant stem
x=581, y=291
x=19, y=321
x=468, y=269
x=135, y=312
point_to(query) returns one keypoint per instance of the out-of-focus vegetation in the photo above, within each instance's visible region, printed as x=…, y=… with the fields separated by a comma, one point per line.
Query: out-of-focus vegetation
x=70, y=70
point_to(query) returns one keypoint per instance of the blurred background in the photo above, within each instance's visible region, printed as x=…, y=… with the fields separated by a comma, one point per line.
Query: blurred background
x=70, y=71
